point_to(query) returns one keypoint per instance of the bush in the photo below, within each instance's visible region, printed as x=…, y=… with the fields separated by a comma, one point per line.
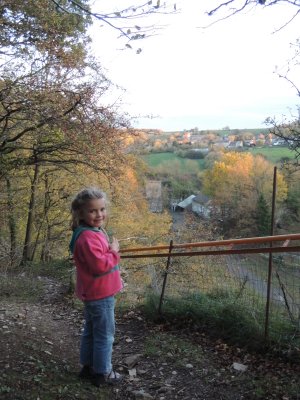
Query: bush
x=191, y=154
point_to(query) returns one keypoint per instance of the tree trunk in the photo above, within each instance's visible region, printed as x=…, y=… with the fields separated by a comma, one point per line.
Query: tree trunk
x=45, y=253
x=27, y=243
x=41, y=224
x=11, y=221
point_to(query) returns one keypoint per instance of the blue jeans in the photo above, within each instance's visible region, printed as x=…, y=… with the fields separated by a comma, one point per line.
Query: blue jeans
x=98, y=335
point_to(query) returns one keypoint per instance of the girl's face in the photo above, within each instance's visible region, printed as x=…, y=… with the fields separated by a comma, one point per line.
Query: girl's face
x=94, y=213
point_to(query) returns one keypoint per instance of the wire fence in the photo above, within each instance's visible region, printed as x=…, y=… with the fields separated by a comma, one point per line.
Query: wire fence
x=264, y=279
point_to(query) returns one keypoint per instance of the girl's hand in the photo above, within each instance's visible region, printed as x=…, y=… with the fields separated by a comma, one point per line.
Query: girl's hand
x=115, y=244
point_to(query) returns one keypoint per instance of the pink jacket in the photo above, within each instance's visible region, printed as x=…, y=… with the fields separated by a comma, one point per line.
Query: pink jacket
x=98, y=274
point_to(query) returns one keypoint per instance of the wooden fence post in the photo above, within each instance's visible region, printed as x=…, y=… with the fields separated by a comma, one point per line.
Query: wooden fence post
x=165, y=277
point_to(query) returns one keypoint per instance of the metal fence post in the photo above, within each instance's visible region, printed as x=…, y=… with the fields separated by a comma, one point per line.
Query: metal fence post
x=270, y=256
x=165, y=278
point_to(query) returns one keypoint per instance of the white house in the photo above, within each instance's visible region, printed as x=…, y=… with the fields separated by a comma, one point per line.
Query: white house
x=186, y=202
x=201, y=205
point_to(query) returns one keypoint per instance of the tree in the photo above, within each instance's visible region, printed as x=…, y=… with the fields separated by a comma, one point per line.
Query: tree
x=51, y=117
x=12, y=224
x=292, y=177
x=263, y=217
x=289, y=131
x=127, y=194
x=38, y=26
x=124, y=20
x=34, y=25
x=235, y=183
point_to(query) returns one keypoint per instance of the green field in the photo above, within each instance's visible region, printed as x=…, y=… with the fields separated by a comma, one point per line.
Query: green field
x=273, y=154
x=156, y=159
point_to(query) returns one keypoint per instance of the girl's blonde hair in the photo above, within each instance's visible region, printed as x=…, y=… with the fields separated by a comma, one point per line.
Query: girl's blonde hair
x=80, y=201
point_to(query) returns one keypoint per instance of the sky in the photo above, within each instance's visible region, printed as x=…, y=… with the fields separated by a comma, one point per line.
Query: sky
x=196, y=73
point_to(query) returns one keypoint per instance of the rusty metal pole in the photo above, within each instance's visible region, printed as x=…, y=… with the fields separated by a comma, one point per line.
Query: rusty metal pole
x=270, y=256
x=165, y=278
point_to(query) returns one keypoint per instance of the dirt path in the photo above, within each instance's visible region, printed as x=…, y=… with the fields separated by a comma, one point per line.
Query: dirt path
x=39, y=359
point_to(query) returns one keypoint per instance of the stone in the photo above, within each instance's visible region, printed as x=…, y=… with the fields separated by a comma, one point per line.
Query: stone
x=131, y=360
x=239, y=367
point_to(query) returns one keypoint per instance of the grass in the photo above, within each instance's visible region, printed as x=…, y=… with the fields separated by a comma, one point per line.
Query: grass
x=59, y=269
x=225, y=301
x=20, y=287
x=225, y=316
x=156, y=159
x=273, y=154
x=19, y=283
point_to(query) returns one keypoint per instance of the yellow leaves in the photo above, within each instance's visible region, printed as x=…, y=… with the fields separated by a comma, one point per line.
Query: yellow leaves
x=238, y=163
x=130, y=178
x=244, y=175
x=282, y=189
x=131, y=219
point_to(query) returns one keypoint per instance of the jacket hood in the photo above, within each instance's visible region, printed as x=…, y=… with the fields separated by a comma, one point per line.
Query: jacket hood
x=76, y=234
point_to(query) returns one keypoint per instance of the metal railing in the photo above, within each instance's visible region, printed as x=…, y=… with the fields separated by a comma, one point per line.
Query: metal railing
x=254, y=245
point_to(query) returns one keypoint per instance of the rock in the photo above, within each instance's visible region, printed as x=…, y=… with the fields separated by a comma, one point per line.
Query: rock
x=141, y=371
x=239, y=367
x=132, y=372
x=165, y=389
x=141, y=394
x=130, y=361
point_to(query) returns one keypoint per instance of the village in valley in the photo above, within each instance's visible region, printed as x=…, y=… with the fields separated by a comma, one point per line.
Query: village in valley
x=198, y=144
x=205, y=140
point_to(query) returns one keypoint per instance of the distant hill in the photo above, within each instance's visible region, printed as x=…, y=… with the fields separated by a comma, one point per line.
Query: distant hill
x=219, y=132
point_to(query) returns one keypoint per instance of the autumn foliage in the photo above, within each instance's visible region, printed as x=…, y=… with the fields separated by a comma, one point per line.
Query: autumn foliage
x=236, y=183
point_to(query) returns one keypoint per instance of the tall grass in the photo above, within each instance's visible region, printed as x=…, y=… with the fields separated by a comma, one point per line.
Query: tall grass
x=222, y=315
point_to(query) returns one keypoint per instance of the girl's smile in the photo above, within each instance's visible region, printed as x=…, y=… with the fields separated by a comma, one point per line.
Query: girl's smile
x=94, y=213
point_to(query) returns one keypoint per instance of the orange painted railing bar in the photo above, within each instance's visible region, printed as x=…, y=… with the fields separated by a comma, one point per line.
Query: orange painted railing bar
x=218, y=252
x=228, y=242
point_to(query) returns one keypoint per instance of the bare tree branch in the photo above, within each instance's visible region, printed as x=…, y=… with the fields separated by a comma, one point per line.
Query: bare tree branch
x=234, y=7
x=131, y=32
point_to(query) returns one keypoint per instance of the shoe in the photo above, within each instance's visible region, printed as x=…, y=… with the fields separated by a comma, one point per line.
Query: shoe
x=113, y=378
x=86, y=372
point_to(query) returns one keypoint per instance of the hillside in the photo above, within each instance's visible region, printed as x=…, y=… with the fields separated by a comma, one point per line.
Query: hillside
x=40, y=340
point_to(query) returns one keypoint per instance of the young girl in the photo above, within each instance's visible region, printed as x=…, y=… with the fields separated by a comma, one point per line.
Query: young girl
x=98, y=280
